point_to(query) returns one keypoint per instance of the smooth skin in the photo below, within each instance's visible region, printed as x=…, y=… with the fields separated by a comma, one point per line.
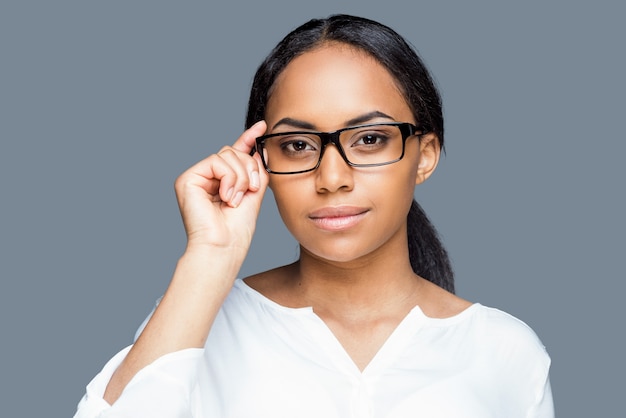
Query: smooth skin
x=354, y=268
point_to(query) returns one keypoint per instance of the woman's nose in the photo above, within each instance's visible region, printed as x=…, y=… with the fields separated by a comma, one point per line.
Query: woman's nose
x=333, y=173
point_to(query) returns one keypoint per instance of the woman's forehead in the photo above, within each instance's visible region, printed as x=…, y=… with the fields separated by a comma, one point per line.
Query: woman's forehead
x=335, y=82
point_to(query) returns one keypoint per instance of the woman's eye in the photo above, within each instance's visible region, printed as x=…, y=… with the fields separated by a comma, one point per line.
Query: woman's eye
x=370, y=139
x=298, y=145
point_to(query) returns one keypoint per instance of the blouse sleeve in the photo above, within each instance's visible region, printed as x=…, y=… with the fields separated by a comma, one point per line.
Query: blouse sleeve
x=544, y=408
x=161, y=389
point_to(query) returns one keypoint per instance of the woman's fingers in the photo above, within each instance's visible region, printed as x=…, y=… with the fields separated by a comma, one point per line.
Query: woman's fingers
x=232, y=172
x=246, y=169
x=238, y=173
x=246, y=142
x=208, y=192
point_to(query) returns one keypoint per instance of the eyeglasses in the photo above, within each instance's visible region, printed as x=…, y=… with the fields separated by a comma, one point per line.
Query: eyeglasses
x=360, y=146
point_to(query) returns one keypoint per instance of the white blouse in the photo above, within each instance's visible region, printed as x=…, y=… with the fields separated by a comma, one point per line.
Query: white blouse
x=262, y=359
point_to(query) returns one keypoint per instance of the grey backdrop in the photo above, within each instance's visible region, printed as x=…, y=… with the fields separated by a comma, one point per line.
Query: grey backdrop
x=103, y=104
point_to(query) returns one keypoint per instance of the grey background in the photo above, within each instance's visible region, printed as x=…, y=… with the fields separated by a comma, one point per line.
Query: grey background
x=103, y=104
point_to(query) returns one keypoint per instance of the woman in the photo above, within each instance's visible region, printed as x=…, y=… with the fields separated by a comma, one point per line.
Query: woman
x=343, y=122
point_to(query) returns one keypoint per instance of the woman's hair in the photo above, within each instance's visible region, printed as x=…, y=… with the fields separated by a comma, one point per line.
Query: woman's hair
x=429, y=258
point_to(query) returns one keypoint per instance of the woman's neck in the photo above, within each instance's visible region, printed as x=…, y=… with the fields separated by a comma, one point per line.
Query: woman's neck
x=367, y=286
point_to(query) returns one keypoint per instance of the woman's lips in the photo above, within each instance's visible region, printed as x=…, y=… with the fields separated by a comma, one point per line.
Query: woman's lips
x=338, y=218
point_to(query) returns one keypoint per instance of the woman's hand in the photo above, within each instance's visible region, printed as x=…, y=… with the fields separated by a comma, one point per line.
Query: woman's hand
x=220, y=197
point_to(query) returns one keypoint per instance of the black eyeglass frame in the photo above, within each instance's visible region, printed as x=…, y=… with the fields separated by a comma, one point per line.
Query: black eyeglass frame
x=406, y=129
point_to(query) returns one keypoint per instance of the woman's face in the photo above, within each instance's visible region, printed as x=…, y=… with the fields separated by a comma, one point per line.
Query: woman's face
x=337, y=212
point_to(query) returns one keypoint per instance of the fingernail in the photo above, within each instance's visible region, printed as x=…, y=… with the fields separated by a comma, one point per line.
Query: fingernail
x=237, y=199
x=229, y=193
x=255, y=180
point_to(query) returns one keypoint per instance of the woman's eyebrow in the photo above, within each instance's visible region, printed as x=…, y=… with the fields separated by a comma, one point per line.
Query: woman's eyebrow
x=368, y=117
x=300, y=124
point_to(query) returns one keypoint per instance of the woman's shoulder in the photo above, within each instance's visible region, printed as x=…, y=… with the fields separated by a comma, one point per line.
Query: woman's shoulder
x=492, y=331
x=499, y=334
x=265, y=291
x=491, y=324
x=273, y=287
x=502, y=325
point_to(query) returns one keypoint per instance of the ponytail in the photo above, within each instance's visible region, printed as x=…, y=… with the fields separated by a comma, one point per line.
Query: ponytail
x=429, y=259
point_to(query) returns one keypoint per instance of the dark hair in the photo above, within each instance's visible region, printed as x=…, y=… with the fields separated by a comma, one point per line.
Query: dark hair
x=428, y=257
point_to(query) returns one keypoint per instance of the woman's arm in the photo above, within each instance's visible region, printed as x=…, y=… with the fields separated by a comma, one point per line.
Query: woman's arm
x=219, y=199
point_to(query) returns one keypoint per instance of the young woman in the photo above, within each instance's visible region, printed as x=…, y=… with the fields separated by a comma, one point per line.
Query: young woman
x=343, y=122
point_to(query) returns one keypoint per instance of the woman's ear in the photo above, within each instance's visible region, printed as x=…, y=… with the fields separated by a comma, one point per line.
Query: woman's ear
x=430, y=151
